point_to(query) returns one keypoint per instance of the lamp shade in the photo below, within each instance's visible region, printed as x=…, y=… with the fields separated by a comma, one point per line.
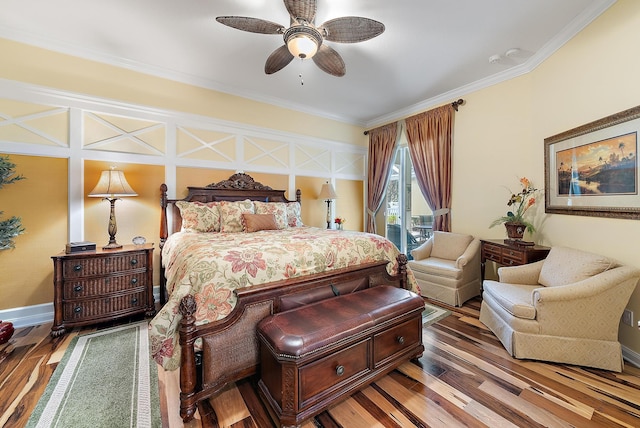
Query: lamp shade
x=327, y=192
x=302, y=46
x=112, y=184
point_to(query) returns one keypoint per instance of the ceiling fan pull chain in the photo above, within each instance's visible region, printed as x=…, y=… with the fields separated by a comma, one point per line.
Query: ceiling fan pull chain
x=301, y=79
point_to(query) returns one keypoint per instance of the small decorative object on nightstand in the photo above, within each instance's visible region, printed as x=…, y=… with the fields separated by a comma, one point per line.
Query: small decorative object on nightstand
x=102, y=285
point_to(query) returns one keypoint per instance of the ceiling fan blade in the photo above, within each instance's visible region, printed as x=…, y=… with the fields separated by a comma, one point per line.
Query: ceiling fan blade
x=329, y=61
x=253, y=25
x=305, y=9
x=351, y=29
x=278, y=60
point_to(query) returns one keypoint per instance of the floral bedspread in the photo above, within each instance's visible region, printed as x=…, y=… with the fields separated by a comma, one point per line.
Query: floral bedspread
x=211, y=265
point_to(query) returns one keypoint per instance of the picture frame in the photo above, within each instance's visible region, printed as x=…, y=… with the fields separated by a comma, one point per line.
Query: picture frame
x=592, y=170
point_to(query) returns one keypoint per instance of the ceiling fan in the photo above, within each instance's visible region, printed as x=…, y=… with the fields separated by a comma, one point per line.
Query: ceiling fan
x=303, y=39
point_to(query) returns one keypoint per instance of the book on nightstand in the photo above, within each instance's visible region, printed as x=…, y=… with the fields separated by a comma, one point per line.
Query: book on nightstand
x=76, y=247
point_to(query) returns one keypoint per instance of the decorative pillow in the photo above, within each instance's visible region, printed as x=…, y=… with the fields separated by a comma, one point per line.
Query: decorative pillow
x=278, y=209
x=256, y=222
x=199, y=217
x=449, y=245
x=567, y=265
x=294, y=216
x=231, y=214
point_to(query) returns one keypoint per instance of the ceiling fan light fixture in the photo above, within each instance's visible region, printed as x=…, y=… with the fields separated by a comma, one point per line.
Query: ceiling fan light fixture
x=302, y=41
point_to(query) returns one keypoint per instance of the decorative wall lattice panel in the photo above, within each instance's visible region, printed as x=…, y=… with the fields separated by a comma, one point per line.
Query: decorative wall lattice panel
x=206, y=145
x=350, y=163
x=263, y=152
x=22, y=122
x=123, y=134
x=314, y=159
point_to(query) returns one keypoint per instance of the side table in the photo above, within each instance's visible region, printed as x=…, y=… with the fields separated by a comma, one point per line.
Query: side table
x=102, y=285
x=507, y=254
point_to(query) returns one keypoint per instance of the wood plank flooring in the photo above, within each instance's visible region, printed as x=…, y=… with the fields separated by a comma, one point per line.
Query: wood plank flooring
x=464, y=379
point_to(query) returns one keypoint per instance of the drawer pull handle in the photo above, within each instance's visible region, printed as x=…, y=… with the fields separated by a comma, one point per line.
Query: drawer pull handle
x=340, y=370
x=400, y=340
x=134, y=280
x=77, y=268
x=77, y=288
x=77, y=309
x=134, y=301
x=134, y=262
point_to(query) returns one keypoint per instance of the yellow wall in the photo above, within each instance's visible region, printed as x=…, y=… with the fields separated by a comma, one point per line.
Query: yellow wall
x=40, y=200
x=499, y=135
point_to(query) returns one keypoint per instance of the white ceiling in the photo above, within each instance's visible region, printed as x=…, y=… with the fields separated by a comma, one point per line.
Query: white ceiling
x=432, y=51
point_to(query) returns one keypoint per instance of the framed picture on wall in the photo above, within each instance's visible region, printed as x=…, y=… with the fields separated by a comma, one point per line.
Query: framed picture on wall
x=592, y=170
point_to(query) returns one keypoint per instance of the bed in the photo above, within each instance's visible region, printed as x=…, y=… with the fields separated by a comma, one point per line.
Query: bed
x=216, y=285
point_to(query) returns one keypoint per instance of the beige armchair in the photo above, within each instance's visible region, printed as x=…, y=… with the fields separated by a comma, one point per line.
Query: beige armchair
x=447, y=267
x=564, y=309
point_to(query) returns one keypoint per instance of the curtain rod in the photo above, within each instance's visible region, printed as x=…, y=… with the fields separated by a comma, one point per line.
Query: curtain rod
x=454, y=104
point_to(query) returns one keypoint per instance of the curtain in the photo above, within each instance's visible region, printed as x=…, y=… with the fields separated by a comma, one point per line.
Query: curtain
x=429, y=137
x=382, y=146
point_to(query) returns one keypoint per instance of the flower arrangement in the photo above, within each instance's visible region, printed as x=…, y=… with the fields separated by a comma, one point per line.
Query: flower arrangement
x=519, y=202
x=339, y=221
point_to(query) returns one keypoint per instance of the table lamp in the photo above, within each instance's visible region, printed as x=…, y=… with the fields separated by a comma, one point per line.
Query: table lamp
x=112, y=186
x=327, y=193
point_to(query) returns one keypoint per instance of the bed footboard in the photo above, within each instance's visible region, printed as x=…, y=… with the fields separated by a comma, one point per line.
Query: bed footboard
x=230, y=349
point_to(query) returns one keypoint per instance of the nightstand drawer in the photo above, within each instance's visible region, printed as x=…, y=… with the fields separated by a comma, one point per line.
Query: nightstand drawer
x=92, y=266
x=97, y=308
x=74, y=289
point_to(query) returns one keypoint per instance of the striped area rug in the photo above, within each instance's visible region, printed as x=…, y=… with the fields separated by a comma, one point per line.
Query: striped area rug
x=105, y=379
x=433, y=314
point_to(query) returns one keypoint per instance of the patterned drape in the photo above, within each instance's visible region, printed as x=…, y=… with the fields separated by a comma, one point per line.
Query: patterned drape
x=382, y=146
x=429, y=136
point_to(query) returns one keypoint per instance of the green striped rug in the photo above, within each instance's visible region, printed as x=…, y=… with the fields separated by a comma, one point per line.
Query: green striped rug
x=105, y=379
x=433, y=314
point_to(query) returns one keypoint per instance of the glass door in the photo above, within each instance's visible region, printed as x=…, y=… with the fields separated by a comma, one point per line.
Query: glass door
x=408, y=217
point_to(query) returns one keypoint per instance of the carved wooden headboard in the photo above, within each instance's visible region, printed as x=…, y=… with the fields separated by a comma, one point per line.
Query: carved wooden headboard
x=238, y=187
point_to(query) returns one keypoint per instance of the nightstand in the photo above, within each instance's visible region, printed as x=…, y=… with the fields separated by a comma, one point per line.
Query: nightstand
x=496, y=250
x=102, y=285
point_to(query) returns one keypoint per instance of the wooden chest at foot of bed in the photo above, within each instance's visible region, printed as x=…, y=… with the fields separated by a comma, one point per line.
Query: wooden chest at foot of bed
x=318, y=354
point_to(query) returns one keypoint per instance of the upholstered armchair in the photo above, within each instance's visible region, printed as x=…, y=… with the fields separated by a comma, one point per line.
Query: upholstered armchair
x=564, y=309
x=447, y=267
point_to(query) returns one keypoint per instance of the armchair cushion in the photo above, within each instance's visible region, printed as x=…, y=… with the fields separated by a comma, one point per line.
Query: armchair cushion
x=514, y=298
x=556, y=270
x=448, y=245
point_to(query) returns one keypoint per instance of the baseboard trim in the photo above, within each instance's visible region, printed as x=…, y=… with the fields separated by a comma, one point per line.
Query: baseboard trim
x=28, y=316
x=630, y=357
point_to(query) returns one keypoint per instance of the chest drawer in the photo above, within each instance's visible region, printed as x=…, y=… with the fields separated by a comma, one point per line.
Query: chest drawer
x=96, y=308
x=332, y=370
x=80, y=288
x=387, y=344
x=513, y=257
x=492, y=252
x=94, y=266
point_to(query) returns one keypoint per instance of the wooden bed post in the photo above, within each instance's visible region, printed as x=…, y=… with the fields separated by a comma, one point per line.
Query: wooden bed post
x=164, y=233
x=402, y=270
x=188, y=379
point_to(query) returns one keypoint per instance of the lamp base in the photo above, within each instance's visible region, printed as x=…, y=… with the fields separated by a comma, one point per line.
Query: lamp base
x=112, y=246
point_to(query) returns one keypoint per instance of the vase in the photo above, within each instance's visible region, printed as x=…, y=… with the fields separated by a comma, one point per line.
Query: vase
x=515, y=230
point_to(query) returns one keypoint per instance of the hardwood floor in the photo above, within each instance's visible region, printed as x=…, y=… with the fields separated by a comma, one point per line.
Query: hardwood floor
x=464, y=378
